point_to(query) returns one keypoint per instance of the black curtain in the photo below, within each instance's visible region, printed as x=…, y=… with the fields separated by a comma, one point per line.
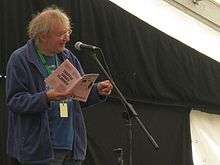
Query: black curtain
x=147, y=64
x=108, y=130
x=163, y=77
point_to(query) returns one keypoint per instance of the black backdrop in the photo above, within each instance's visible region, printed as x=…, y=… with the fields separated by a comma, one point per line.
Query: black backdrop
x=162, y=77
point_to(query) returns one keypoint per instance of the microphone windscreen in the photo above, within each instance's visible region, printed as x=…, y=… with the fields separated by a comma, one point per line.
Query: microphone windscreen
x=77, y=45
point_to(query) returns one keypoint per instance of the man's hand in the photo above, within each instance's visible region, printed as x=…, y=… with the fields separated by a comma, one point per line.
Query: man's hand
x=105, y=87
x=53, y=95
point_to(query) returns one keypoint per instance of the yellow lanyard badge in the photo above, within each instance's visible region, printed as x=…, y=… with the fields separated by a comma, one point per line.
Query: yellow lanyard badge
x=63, y=109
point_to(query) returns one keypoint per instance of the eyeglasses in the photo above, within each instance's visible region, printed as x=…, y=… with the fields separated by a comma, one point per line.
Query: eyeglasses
x=63, y=35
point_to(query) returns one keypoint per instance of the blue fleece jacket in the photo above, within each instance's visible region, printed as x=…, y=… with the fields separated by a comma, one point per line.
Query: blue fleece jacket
x=29, y=137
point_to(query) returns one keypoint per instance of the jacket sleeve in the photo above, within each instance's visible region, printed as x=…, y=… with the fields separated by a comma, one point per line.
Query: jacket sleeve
x=21, y=93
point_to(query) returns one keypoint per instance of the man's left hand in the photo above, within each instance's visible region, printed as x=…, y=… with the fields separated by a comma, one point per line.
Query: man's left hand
x=105, y=87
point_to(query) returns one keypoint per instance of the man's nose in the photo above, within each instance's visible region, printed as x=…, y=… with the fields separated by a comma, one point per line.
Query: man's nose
x=66, y=37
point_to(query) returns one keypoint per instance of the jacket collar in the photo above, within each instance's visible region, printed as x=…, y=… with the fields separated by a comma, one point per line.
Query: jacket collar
x=32, y=57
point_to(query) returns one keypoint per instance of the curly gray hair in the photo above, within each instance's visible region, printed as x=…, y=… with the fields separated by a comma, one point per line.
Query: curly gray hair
x=43, y=21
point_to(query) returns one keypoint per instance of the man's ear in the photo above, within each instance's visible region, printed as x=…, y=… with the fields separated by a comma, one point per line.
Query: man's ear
x=43, y=37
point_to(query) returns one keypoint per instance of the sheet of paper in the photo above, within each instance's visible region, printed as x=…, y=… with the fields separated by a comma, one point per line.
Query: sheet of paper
x=67, y=78
x=63, y=77
x=83, y=87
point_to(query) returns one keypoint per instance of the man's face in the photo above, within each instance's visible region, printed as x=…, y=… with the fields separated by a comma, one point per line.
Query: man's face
x=55, y=41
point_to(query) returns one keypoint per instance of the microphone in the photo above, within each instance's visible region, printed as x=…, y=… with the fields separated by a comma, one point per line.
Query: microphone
x=81, y=46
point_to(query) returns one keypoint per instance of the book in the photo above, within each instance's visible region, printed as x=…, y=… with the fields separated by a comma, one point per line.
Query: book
x=67, y=78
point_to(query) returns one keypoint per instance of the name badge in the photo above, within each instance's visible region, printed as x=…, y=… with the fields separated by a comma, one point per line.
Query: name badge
x=63, y=110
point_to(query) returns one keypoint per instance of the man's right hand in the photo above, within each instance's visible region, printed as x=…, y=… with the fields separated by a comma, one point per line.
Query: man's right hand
x=54, y=95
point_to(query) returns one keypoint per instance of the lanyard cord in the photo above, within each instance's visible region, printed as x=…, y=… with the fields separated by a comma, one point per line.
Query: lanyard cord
x=45, y=64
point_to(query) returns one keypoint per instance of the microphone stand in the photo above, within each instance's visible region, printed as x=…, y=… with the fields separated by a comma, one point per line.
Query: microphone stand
x=119, y=153
x=132, y=111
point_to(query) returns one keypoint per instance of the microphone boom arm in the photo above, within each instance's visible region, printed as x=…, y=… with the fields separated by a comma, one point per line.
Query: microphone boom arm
x=131, y=108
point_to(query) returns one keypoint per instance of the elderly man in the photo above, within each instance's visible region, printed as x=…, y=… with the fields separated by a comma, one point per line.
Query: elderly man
x=37, y=132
